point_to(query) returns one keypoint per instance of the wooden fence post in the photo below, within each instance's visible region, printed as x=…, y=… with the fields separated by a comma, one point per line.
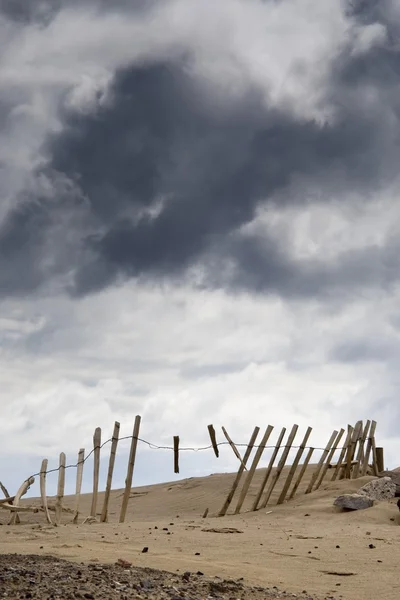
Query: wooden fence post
x=301, y=474
x=369, y=447
x=60, y=488
x=329, y=458
x=96, y=469
x=361, y=453
x=321, y=462
x=380, y=463
x=235, y=484
x=374, y=458
x=131, y=465
x=293, y=468
x=21, y=492
x=352, y=448
x=7, y=495
x=79, y=476
x=176, y=453
x=113, y=452
x=269, y=469
x=232, y=445
x=253, y=467
x=43, y=495
x=280, y=466
x=339, y=465
x=213, y=439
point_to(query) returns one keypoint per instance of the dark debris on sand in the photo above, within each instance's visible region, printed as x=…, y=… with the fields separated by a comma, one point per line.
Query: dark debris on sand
x=49, y=578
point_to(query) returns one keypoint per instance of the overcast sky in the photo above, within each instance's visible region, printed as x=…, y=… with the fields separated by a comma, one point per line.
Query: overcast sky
x=199, y=223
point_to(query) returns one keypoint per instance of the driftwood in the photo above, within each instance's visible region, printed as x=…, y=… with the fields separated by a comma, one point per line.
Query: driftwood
x=6, y=500
x=52, y=507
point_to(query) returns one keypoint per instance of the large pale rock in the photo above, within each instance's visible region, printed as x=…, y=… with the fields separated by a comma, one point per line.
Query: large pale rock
x=394, y=476
x=353, y=501
x=379, y=489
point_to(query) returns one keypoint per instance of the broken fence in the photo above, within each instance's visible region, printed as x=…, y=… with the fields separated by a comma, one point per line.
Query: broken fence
x=357, y=456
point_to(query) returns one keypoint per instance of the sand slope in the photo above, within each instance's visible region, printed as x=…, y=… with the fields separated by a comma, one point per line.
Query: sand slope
x=304, y=544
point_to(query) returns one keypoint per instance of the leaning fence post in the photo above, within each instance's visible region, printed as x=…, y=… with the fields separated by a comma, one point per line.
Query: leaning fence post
x=131, y=465
x=60, y=488
x=235, y=484
x=360, y=453
x=321, y=462
x=96, y=469
x=21, y=492
x=7, y=495
x=340, y=464
x=369, y=447
x=232, y=445
x=113, y=452
x=280, y=466
x=43, y=473
x=301, y=474
x=213, y=439
x=253, y=467
x=294, y=466
x=352, y=448
x=328, y=460
x=269, y=469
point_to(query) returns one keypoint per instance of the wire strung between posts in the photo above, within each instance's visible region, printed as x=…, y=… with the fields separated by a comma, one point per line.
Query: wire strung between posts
x=157, y=447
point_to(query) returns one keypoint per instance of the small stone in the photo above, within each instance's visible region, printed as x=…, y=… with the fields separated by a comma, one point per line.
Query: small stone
x=145, y=549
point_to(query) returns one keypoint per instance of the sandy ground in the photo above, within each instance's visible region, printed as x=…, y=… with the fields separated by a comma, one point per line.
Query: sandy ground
x=303, y=545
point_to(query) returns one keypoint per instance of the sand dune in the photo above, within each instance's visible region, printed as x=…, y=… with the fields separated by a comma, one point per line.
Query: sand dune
x=304, y=544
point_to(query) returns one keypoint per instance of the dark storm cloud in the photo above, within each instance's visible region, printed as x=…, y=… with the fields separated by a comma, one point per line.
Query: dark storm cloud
x=43, y=11
x=169, y=180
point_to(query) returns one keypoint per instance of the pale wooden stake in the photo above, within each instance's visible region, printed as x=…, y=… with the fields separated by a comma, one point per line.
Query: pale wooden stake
x=131, y=465
x=21, y=492
x=235, y=484
x=176, y=453
x=369, y=447
x=279, y=468
x=340, y=463
x=352, y=449
x=269, y=469
x=379, y=459
x=79, y=476
x=329, y=459
x=96, y=469
x=253, y=467
x=301, y=474
x=43, y=473
x=213, y=439
x=113, y=452
x=7, y=495
x=293, y=468
x=321, y=462
x=361, y=453
x=60, y=488
x=232, y=445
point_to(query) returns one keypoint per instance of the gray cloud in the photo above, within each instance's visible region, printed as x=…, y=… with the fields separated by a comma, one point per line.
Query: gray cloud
x=167, y=180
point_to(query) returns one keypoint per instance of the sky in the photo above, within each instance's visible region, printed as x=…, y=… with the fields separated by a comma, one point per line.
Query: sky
x=199, y=223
